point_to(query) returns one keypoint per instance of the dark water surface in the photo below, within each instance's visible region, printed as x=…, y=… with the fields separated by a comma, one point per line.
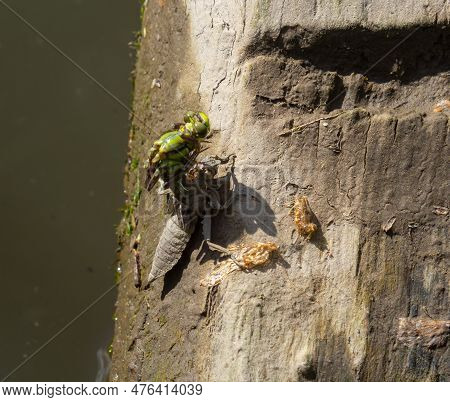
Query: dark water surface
x=62, y=152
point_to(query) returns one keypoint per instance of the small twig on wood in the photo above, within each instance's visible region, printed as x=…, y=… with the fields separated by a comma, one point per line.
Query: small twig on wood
x=302, y=126
x=400, y=104
x=137, y=262
x=427, y=313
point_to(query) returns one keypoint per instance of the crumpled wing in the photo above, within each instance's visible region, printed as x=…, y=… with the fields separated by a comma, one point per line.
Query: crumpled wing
x=151, y=178
x=173, y=241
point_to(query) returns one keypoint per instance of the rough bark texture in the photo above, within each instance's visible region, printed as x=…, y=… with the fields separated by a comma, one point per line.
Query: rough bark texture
x=356, y=302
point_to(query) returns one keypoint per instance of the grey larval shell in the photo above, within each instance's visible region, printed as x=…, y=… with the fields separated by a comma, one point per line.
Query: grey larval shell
x=172, y=243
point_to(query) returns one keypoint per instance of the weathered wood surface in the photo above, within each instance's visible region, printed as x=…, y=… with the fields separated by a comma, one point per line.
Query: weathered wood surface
x=336, y=307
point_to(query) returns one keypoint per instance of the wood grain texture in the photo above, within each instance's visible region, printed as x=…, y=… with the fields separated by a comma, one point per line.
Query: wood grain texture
x=329, y=308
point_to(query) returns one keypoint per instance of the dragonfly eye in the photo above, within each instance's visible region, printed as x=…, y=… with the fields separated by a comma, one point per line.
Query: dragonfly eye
x=203, y=117
x=200, y=129
x=188, y=117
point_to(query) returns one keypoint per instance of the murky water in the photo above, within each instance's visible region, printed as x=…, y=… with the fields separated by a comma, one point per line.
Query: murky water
x=62, y=152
